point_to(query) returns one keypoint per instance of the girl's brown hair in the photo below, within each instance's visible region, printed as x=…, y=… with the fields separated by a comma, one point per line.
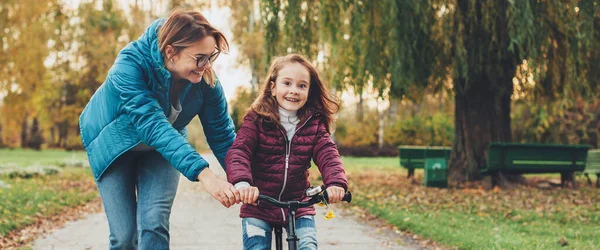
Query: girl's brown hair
x=183, y=28
x=320, y=100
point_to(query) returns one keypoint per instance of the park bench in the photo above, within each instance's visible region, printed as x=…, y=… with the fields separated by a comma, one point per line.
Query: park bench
x=412, y=157
x=593, y=166
x=517, y=158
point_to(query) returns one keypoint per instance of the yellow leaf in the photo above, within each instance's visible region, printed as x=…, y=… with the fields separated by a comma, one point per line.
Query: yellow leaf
x=482, y=214
x=329, y=215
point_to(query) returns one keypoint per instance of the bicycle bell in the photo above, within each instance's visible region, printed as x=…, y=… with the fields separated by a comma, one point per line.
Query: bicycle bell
x=311, y=191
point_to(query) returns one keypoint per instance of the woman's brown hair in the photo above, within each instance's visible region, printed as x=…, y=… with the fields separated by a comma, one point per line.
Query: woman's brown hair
x=319, y=101
x=183, y=28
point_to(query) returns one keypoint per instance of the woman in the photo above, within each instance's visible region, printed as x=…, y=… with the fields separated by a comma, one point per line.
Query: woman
x=133, y=128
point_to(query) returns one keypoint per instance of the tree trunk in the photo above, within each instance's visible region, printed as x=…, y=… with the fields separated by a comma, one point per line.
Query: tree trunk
x=416, y=108
x=481, y=116
x=483, y=91
x=1, y=141
x=360, y=107
x=393, y=109
x=24, y=133
x=53, y=137
x=63, y=131
x=381, y=123
x=35, y=135
x=254, y=82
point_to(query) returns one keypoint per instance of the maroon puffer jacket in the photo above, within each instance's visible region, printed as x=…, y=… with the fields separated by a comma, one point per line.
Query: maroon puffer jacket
x=259, y=155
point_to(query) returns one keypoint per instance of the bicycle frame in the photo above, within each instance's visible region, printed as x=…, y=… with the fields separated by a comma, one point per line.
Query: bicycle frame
x=292, y=238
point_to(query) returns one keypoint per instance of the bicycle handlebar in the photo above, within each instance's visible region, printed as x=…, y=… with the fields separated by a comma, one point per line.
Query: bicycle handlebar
x=300, y=204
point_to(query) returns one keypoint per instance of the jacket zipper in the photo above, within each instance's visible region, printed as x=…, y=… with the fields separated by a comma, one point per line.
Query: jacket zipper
x=288, y=148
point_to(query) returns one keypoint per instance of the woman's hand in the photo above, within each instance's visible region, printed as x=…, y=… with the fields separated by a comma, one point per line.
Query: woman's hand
x=219, y=189
x=249, y=195
x=335, y=194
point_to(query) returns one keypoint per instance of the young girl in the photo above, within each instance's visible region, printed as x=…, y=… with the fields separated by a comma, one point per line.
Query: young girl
x=288, y=125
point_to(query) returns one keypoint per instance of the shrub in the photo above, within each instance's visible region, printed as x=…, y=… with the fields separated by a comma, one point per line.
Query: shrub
x=360, y=138
x=29, y=172
x=577, y=123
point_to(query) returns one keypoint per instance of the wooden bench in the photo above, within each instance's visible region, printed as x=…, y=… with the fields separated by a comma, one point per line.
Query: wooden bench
x=516, y=158
x=593, y=166
x=412, y=157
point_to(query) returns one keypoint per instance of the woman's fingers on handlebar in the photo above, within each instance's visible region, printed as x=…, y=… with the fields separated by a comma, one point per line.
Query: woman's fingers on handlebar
x=335, y=194
x=227, y=197
x=234, y=195
x=219, y=189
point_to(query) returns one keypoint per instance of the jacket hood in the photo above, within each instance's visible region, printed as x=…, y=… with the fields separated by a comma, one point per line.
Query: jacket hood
x=149, y=41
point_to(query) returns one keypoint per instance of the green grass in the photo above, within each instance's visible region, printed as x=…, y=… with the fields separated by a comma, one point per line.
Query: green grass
x=30, y=199
x=472, y=231
x=526, y=218
x=21, y=157
x=357, y=164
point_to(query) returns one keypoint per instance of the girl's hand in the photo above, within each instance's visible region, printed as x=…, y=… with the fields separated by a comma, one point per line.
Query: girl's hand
x=335, y=194
x=249, y=195
x=219, y=189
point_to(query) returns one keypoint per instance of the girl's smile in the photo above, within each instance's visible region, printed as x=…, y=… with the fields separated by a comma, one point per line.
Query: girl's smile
x=292, y=86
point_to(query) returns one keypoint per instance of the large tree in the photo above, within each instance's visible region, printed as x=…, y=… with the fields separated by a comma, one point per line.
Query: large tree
x=475, y=47
x=488, y=41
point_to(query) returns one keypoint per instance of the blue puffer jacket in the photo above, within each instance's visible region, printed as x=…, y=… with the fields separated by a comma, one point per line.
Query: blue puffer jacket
x=132, y=106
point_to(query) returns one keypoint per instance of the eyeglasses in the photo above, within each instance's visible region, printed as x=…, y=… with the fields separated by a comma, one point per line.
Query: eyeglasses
x=203, y=59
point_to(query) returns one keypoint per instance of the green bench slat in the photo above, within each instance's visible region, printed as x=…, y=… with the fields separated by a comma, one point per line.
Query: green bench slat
x=517, y=158
x=533, y=162
x=593, y=162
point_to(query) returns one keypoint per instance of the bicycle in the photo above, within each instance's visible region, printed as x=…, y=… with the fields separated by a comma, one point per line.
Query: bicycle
x=316, y=194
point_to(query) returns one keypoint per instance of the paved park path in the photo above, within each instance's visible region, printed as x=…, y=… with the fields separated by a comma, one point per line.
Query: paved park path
x=199, y=222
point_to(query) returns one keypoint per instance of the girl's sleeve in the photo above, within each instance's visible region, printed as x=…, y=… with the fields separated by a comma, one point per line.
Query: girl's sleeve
x=239, y=156
x=144, y=112
x=216, y=122
x=328, y=160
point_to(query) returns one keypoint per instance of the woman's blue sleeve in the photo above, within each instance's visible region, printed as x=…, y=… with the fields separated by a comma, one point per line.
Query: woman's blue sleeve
x=149, y=120
x=216, y=122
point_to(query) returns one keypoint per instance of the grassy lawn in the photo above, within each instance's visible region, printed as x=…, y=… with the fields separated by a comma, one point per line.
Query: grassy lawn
x=21, y=157
x=29, y=199
x=523, y=218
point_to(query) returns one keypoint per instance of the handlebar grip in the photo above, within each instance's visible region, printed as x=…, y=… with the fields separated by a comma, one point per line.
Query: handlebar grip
x=347, y=196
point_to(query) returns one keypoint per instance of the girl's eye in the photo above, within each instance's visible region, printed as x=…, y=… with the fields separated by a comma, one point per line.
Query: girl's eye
x=287, y=83
x=302, y=85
